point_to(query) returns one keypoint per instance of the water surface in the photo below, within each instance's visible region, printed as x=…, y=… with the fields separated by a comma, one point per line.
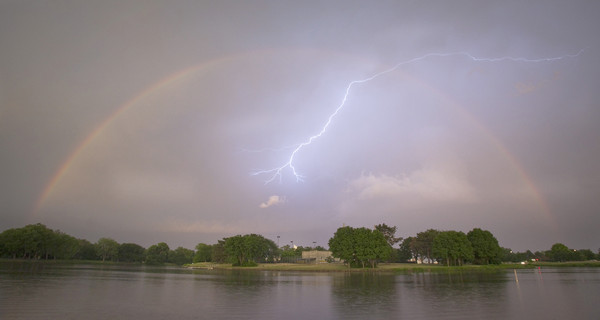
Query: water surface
x=59, y=291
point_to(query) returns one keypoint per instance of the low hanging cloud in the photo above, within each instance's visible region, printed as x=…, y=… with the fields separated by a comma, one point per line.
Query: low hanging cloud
x=273, y=200
x=424, y=184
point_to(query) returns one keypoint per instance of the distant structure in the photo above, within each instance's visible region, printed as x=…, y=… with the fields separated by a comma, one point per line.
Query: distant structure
x=315, y=256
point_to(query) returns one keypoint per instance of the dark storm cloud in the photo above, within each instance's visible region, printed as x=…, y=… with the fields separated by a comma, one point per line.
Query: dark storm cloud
x=446, y=142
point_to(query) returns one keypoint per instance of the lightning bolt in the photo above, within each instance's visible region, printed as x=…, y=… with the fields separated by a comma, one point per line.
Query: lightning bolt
x=276, y=173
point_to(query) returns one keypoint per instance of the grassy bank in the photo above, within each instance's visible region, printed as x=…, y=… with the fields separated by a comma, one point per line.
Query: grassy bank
x=387, y=267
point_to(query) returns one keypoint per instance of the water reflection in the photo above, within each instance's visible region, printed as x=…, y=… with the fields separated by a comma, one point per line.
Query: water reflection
x=57, y=291
x=563, y=293
x=453, y=295
x=364, y=295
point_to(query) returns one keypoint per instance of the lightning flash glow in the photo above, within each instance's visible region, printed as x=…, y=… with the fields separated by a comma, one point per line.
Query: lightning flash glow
x=277, y=172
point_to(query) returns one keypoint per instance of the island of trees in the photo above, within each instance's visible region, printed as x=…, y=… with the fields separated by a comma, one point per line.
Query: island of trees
x=355, y=247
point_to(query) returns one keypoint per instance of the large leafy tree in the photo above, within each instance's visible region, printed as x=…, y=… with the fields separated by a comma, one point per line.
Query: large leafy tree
x=64, y=246
x=587, y=254
x=181, y=256
x=422, y=244
x=486, y=249
x=203, y=253
x=359, y=246
x=157, y=253
x=236, y=249
x=249, y=249
x=10, y=243
x=131, y=252
x=560, y=252
x=372, y=246
x=389, y=233
x=453, y=247
x=218, y=253
x=343, y=245
x=36, y=241
x=107, y=248
x=405, y=253
x=87, y=250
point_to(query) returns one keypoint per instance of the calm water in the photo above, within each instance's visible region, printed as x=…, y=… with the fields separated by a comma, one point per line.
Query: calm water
x=53, y=291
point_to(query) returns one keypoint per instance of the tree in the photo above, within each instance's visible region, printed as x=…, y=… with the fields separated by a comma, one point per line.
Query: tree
x=33, y=241
x=203, y=253
x=453, y=247
x=404, y=253
x=158, y=253
x=248, y=249
x=372, y=246
x=107, y=248
x=181, y=256
x=423, y=244
x=64, y=246
x=218, y=254
x=289, y=254
x=485, y=246
x=559, y=252
x=236, y=249
x=342, y=245
x=10, y=243
x=359, y=246
x=87, y=250
x=587, y=254
x=131, y=252
x=389, y=233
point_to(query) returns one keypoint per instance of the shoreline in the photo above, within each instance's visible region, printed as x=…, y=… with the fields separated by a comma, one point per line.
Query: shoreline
x=389, y=267
x=329, y=267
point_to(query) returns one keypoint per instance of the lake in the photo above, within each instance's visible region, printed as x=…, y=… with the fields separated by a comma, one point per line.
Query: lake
x=64, y=291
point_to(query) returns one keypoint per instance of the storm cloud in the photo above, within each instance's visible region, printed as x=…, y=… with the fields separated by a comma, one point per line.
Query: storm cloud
x=146, y=121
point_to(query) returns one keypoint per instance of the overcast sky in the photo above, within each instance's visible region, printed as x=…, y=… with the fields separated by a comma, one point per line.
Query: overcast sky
x=144, y=121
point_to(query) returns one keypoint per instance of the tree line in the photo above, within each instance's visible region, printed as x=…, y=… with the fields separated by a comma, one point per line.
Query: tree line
x=478, y=247
x=366, y=247
x=360, y=247
x=356, y=247
x=38, y=242
x=248, y=250
x=452, y=247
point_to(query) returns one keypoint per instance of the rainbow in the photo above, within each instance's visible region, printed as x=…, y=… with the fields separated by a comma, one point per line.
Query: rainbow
x=145, y=93
x=174, y=78
x=499, y=146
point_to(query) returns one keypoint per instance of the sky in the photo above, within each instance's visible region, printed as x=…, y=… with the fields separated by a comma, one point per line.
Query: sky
x=150, y=121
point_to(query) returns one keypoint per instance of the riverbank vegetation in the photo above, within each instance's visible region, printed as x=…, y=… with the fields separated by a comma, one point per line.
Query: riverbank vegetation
x=350, y=248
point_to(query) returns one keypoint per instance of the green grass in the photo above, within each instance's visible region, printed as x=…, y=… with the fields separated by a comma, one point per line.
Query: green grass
x=592, y=263
x=272, y=266
x=389, y=267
